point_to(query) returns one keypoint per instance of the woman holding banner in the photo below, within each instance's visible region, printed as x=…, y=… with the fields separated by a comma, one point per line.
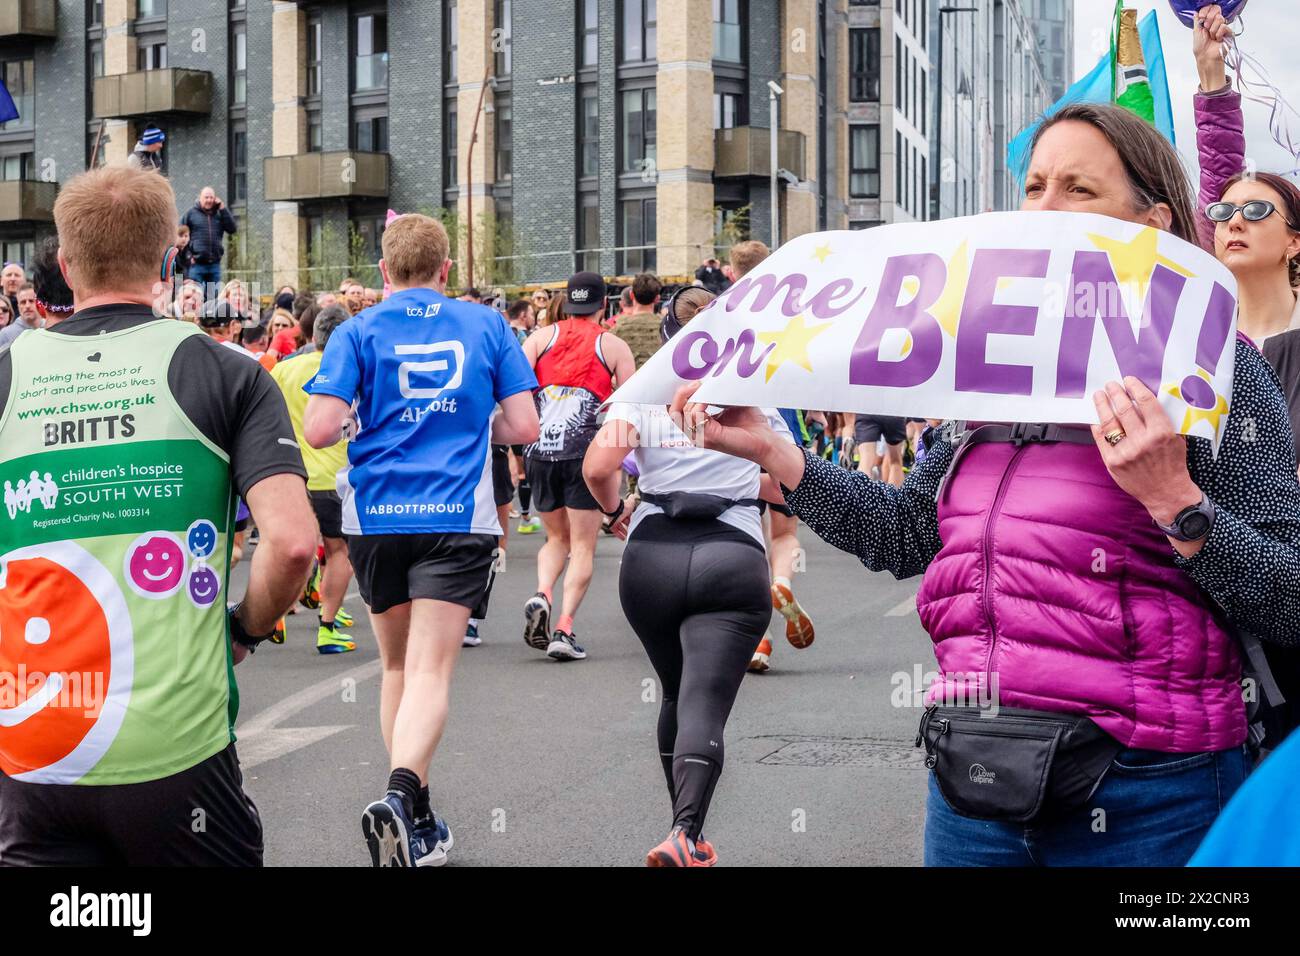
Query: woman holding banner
x=1087, y=583
x=693, y=584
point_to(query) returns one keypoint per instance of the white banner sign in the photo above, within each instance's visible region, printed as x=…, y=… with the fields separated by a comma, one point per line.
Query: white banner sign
x=1011, y=317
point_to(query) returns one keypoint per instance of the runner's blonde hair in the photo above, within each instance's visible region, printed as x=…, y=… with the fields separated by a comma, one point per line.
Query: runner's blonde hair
x=415, y=247
x=115, y=223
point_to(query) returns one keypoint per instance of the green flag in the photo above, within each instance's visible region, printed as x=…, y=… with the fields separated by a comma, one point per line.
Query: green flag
x=1131, y=85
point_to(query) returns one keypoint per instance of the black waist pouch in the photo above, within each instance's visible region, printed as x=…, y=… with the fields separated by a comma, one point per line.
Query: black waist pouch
x=690, y=504
x=1020, y=766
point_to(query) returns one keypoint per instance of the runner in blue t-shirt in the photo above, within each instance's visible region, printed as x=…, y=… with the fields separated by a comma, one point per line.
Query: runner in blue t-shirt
x=414, y=381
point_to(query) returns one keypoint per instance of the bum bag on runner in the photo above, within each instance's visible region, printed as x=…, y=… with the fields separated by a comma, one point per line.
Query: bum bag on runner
x=1014, y=766
x=690, y=504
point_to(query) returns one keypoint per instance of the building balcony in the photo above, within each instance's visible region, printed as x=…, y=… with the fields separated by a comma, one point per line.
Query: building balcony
x=341, y=174
x=152, y=93
x=27, y=19
x=27, y=200
x=745, y=151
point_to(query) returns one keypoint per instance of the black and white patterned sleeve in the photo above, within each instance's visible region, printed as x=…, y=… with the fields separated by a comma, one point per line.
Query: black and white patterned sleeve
x=886, y=528
x=1250, y=562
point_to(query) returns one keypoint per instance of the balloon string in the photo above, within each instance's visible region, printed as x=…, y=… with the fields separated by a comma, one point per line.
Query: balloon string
x=1254, y=83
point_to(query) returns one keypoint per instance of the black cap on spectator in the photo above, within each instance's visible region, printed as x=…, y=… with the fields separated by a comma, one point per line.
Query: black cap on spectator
x=220, y=312
x=585, y=294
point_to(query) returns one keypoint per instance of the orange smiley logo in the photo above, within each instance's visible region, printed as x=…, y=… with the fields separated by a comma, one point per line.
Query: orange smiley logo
x=66, y=662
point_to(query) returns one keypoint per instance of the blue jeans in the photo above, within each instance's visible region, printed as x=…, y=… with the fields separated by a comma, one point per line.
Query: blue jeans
x=1157, y=809
x=209, y=275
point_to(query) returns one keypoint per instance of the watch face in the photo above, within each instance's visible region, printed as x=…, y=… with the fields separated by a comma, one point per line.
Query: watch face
x=1194, y=525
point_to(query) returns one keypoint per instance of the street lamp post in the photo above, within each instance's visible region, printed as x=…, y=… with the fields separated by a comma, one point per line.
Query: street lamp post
x=937, y=186
x=774, y=91
x=469, y=175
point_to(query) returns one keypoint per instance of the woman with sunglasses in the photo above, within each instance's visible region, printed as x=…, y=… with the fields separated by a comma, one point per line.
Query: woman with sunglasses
x=693, y=584
x=1251, y=222
x=6, y=311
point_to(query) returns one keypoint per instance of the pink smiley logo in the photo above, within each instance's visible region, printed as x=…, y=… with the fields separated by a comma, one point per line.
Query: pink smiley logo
x=155, y=564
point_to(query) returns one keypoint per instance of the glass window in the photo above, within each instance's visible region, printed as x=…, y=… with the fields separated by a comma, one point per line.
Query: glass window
x=864, y=65
x=239, y=64
x=726, y=110
x=239, y=164
x=95, y=17
x=96, y=58
x=313, y=131
x=864, y=162
x=370, y=38
x=151, y=56
x=639, y=134
x=150, y=8
x=588, y=238
x=370, y=135
x=452, y=32
x=590, y=34
x=640, y=30
x=504, y=139
x=589, y=140
x=726, y=31
x=638, y=231
x=20, y=79
x=315, y=35
x=501, y=37
x=450, y=172
x=18, y=166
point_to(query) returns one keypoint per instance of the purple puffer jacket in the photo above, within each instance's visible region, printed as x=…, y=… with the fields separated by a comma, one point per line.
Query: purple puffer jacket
x=1221, y=146
x=1056, y=581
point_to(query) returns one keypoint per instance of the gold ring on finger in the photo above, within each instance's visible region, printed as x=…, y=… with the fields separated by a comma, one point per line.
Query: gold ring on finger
x=1116, y=436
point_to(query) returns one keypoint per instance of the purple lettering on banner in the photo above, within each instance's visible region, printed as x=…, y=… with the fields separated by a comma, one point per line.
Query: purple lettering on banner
x=682, y=365
x=865, y=366
x=1094, y=291
x=822, y=304
x=981, y=317
x=767, y=287
x=743, y=349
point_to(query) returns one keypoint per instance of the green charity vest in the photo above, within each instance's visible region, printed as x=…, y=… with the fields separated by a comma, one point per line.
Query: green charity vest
x=115, y=662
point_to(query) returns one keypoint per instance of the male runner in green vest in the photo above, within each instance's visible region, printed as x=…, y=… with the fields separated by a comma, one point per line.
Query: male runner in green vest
x=124, y=441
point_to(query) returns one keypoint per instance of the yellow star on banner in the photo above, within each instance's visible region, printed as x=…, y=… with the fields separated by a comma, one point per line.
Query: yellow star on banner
x=821, y=252
x=791, y=344
x=947, y=310
x=1194, y=414
x=1135, y=261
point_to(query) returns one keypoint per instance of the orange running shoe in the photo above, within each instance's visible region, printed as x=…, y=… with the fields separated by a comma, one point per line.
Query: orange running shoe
x=705, y=855
x=762, y=658
x=678, y=850
x=798, y=625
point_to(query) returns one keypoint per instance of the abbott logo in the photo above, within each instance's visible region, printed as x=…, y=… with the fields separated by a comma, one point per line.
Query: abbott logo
x=979, y=775
x=450, y=347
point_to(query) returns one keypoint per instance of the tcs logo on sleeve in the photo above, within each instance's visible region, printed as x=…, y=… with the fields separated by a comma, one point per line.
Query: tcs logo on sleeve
x=66, y=662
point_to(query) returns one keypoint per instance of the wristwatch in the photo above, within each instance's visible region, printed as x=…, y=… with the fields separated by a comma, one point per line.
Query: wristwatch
x=612, y=515
x=1193, y=522
x=241, y=636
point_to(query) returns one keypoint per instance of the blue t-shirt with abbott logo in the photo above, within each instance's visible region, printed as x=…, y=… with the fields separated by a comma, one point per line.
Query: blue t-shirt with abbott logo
x=426, y=373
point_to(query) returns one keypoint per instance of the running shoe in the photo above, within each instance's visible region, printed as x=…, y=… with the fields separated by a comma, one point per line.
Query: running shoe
x=471, y=637
x=704, y=852
x=343, y=619
x=537, y=622
x=679, y=850
x=310, y=598
x=564, y=648
x=798, y=625
x=514, y=512
x=330, y=641
x=281, y=632
x=387, y=827
x=430, y=841
x=762, y=658
x=530, y=525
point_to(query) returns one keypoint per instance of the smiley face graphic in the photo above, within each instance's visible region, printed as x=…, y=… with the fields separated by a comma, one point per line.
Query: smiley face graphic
x=202, y=538
x=66, y=632
x=155, y=565
x=204, y=586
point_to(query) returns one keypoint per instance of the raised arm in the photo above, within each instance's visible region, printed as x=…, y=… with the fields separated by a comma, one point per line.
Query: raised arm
x=1220, y=137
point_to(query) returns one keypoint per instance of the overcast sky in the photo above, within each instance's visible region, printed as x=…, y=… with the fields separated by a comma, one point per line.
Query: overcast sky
x=1269, y=37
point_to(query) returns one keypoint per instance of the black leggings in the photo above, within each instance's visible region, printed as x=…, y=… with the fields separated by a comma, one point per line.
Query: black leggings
x=697, y=594
x=525, y=489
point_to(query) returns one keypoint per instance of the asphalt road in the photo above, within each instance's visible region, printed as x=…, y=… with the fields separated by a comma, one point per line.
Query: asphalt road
x=555, y=764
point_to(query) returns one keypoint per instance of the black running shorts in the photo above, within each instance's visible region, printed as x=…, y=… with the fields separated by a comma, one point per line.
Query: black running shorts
x=392, y=569
x=559, y=484
x=198, y=817
x=329, y=512
x=869, y=428
x=503, y=487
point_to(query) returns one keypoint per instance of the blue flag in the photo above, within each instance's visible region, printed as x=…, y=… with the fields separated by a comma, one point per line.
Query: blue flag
x=1097, y=87
x=7, y=109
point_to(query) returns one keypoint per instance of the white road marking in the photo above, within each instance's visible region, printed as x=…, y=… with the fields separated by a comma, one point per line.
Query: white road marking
x=261, y=739
x=903, y=608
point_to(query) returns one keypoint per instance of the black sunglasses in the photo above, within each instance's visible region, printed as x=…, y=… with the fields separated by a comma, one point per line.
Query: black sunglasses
x=1257, y=210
